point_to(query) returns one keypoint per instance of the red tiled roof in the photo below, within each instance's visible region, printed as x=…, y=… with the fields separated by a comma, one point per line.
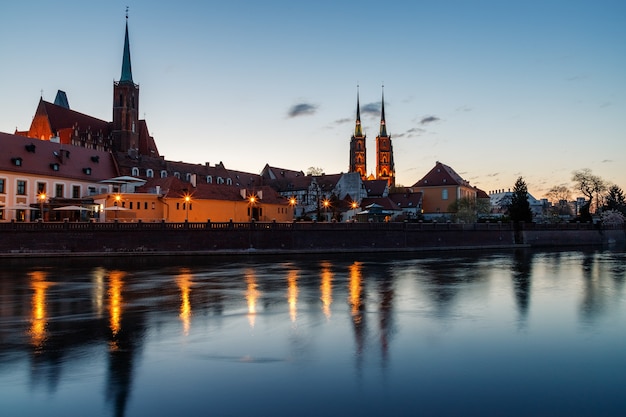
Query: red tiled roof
x=406, y=200
x=61, y=117
x=441, y=175
x=72, y=160
x=375, y=187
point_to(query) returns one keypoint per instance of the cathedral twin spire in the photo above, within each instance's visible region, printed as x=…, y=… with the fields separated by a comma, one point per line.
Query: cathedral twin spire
x=384, y=152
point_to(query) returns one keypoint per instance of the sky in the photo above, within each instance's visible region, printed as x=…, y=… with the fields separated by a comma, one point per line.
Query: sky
x=494, y=89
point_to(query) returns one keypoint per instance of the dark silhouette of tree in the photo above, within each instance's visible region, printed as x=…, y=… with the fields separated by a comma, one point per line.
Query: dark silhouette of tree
x=519, y=208
x=615, y=200
x=591, y=186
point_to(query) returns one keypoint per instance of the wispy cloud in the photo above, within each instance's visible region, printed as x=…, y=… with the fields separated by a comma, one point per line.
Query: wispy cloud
x=464, y=109
x=371, y=109
x=411, y=133
x=302, y=109
x=343, y=121
x=429, y=119
x=607, y=161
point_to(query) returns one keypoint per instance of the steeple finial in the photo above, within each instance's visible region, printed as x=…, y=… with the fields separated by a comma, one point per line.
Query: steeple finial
x=383, y=127
x=127, y=73
x=358, y=131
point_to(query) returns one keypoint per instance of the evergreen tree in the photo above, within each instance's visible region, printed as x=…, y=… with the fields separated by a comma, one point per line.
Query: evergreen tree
x=615, y=200
x=519, y=208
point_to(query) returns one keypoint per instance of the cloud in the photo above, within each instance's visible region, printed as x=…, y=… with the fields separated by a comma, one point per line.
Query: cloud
x=493, y=174
x=464, y=109
x=371, y=109
x=343, y=121
x=411, y=133
x=607, y=161
x=302, y=109
x=429, y=119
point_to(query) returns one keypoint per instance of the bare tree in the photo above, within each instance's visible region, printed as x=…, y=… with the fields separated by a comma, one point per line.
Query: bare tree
x=315, y=171
x=590, y=186
x=559, y=196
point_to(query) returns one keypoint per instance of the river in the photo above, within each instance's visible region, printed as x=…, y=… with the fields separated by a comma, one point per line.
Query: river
x=509, y=333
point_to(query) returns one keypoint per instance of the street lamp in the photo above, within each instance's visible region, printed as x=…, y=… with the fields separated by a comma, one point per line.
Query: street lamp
x=116, y=203
x=251, y=201
x=292, y=202
x=42, y=199
x=187, y=202
x=326, y=204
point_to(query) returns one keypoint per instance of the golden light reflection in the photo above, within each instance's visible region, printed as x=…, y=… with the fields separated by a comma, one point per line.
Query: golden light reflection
x=326, y=289
x=292, y=294
x=251, y=295
x=97, y=291
x=184, y=280
x=38, y=316
x=355, y=289
x=116, y=284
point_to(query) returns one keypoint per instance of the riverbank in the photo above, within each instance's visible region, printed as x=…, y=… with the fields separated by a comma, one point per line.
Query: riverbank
x=223, y=239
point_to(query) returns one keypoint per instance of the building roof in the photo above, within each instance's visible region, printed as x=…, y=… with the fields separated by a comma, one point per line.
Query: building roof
x=406, y=200
x=41, y=157
x=60, y=117
x=273, y=173
x=375, y=188
x=441, y=175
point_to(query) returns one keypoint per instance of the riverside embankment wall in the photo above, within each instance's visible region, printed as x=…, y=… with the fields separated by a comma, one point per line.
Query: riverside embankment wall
x=111, y=238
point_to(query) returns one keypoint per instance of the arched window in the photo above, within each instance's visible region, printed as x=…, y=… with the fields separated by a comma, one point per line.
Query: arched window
x=177, y=175
x=188, y=177
x=209, y=179
x=220, y=180
x=149, y=173
x=229, y=181
x=163, y=174
x=135, y=171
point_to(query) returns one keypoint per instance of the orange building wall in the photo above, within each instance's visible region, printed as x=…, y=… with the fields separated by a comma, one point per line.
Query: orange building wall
x=433, y=203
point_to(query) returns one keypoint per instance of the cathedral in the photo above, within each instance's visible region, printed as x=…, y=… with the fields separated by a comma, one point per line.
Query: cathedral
x=385, y=169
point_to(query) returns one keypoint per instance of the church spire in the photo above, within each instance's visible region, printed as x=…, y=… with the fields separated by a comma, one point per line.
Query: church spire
x=358, y=131
x=383, y=126
x=127, y=74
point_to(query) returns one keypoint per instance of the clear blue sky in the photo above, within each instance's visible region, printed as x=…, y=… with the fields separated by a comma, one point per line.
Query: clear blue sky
x=495, y=89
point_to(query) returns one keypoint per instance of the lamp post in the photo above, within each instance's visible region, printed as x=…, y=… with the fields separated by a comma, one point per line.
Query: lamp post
x=325, y=203
x=187, y=202
x=354, y=206
x=251, y=201
x=118, y=199
x=42, y=199
x=292, y=202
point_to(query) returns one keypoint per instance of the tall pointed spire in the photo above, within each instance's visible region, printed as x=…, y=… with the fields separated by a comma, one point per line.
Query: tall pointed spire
x=358, y=131
x=127, y=73
x=383, y=126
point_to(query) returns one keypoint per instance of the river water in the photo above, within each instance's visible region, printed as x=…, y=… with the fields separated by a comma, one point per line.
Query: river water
x=513, y=333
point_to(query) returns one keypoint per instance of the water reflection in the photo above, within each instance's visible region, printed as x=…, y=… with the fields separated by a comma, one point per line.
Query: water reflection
x=252, y=294
x=39, y=314
x=183, y=280
x=326, y=288
x=439, y=323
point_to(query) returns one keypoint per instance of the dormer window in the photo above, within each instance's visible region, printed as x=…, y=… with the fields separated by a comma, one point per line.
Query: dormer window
x=163, y=174
x=209, y=179
x=135, y=171
x=220, y=180
x=30, y=148
x=87, y=171
x=17, y=161
x=229, y=181
x=149, y=173
x=177, y=175
x=95, y=159
x=54, y=166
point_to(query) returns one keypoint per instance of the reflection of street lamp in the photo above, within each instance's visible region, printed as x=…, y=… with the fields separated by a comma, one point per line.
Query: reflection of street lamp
x=187, y=202
x=42, y=199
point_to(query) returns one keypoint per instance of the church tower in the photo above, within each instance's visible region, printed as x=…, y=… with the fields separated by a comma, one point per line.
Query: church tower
x=357, y=145
x=125, y=105
x=384, y=151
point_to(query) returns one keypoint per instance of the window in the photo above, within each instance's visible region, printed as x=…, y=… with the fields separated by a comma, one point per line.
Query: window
x=177, y=206
x=41, y=187
x=58, y=190
x=164, y=174
x=1, y=213
x=149, y=173
x=76, y=191
x=444, y=194
x=21, y=187
x=177, y=175
x=2, y=182
x=92, y=190
x=131, y=205
x=145, y=205
x=229, y=181
x=135, y=171
x=220, y=180
x=209, y=179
